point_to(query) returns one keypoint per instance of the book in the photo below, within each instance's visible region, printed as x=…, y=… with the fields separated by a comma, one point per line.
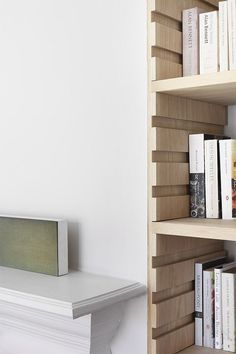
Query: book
x=36, y=245
x=232, y=33
x=208, y=28
x=212, y=179
x=223, y=36
x=191, y=41
x=218, y=302
x=199, y=268
x=228, y=178
x=197, y=174
x=208, y=308
x=229, y=309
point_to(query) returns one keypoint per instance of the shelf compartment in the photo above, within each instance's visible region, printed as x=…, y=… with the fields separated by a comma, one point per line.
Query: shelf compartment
x=217, y=229
x=218, y=87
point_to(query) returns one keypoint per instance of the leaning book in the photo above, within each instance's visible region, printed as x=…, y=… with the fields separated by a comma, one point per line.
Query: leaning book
x=35, y=245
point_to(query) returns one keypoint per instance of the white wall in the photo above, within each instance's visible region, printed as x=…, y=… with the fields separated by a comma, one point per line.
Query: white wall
x=73, y=132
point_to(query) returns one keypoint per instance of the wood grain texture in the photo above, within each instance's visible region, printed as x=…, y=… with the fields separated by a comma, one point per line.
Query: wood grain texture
x=166, y=208
x=173, y=309
x=190, y=126
x=169, y=156
x=166, y=245
x=173, y=326
x=173, y=9
x=216, y=229
x=217, y=87
x=185, y=255
x=163, y=69
x=175, y=341
x=166, y=38
x=170, y=173
x=200, y=350
x=175, y=274
x=172, y=140
x=188, y=110
x=166, y=191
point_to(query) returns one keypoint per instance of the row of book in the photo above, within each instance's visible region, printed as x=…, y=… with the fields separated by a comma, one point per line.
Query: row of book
x=212, y=163
x=209, y=39
x=215, y=298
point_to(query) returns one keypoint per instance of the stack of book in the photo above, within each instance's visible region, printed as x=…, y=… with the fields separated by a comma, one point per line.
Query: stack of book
x=215, y=296
x=209, y=39
x=212, y=162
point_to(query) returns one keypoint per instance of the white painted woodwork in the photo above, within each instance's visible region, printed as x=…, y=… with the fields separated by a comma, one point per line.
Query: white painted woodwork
x=72, y=295
x=77, y=313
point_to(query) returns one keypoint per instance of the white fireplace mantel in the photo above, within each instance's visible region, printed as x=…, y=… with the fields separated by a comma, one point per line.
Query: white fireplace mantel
x=77, y=313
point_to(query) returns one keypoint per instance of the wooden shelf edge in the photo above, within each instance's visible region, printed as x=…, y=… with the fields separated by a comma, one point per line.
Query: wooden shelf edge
x=201, y=350
x=200, y=228
x=217, y=87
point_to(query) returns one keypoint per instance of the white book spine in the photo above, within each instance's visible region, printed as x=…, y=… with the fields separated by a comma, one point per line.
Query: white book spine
x=228, y=302
x=191, y=42
x=211, y=179
x=232, y=33
x=209, y=62
x=223, y=36
x=226, y=178
x=218, y=310
x=198, y=305
x=208, y=309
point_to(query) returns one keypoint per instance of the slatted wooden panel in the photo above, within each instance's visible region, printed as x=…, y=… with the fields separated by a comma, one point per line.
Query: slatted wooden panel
x=171, y=120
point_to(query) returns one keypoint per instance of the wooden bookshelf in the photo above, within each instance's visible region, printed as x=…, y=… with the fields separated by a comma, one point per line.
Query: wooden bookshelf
x=177, y=107
x=218, y=87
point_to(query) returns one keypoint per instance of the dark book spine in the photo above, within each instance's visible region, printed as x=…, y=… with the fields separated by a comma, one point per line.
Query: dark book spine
x=197, y=176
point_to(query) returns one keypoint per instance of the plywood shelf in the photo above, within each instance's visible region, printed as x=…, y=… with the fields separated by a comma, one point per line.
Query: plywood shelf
x=201, y=228
x=217, y=87
x=201, y=350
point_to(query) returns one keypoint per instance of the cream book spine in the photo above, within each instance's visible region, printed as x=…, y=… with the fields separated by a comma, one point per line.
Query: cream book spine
x=232, y=33
x=228, y=304
x=208, y=28
x=191, y=41
x=211, y=179
x=223, y=36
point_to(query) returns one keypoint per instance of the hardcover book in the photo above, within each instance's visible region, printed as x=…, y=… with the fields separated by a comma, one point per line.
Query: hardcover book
x=191, y=41
x=229, y=309
x=228, y=178
x=35, y=245
x=209, y=61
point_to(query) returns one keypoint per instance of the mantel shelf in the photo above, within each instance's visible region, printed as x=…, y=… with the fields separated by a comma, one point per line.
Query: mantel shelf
x=201, y=228
x=72, y=295
x=218, y=87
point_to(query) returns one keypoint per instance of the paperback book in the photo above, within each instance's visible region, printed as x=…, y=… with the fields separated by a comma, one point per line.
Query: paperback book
x=199, y=320
x=191, y=41
x=228, y=178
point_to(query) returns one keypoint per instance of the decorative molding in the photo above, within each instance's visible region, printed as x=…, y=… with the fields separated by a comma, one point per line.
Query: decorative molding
x=91, y=334
x=74, y=295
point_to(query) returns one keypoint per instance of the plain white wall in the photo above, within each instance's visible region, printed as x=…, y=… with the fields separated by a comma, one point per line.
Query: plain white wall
x=73, y=132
